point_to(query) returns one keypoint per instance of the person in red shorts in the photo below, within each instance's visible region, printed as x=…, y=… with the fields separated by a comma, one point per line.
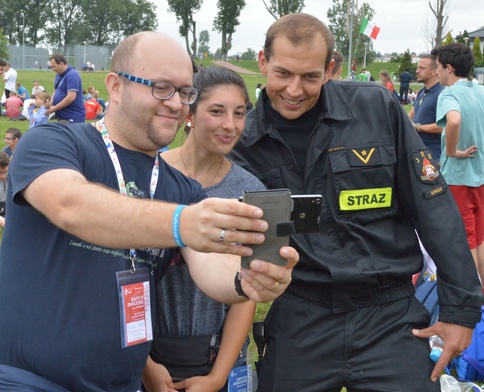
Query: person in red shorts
x=460, y=111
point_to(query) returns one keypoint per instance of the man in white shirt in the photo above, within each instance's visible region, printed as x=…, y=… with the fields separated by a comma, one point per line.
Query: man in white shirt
x=10, y=78
x=37, y=89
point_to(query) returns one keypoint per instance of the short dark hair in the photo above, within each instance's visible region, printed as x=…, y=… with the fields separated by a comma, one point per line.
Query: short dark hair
x=15, y=132
x=3, y=63
x=58, y=58
x=299, y=28
x=4, y=159
x=433, y=62
x=338, y=61
x=459, y=56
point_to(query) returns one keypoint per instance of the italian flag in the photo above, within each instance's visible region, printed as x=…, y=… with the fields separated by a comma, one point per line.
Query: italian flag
x=369, y=29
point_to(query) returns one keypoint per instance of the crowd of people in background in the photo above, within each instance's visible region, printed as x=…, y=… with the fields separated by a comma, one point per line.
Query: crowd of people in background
x=69, y=102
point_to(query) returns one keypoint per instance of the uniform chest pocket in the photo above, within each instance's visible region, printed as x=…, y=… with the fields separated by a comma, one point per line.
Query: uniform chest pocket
x=363, y=179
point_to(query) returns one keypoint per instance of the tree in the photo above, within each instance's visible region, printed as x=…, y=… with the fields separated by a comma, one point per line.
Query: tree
x=203, y=41
x=477, y=52
x=338, y=19
x=249, y=54
x=64, y=18
x=406, y=62
x=448, y=39
x=439, y=8
x=279, y=8
x=462, y=38
x=108, y=22
x=218, y=54
x=35, y=16
x=3, y=47
x=428, y=32
x=11, y=21
x=226, y=20
x=184, y=10
x=24, y=20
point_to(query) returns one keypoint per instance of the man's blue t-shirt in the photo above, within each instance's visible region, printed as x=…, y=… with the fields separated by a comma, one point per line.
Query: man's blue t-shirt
x=69, y=80
x=58, y=294
x=21, y=91
x=425, y=109
x=405, y=78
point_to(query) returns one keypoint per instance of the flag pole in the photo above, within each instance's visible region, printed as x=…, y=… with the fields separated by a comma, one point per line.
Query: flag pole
x=350, y=52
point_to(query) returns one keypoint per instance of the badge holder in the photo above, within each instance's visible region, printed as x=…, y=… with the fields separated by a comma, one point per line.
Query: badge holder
x=134, y=306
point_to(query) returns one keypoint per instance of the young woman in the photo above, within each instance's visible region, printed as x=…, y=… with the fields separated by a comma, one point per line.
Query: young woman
x=386, y=80
x=214, y=124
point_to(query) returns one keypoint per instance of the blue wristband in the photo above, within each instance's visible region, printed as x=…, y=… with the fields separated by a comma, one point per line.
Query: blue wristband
x=175, y=225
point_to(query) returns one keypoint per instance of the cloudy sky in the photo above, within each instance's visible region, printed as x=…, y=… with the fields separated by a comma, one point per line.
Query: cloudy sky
x=402, y=22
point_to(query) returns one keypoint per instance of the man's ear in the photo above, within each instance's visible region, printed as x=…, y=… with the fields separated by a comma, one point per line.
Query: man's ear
x=114, y=86
x=262, y=63
x=328, y=72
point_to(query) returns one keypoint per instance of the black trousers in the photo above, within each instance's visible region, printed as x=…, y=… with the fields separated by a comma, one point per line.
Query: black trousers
x=404, y=87
x=370, y=349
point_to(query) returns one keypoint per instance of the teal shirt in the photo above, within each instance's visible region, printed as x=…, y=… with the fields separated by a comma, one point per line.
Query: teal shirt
x=468, y=99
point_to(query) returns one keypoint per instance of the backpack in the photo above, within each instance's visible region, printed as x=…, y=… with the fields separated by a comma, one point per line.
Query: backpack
x=470, y=364
x=426, y=293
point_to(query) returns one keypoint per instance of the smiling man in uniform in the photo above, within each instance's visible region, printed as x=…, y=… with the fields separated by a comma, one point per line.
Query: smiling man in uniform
x=350, y=318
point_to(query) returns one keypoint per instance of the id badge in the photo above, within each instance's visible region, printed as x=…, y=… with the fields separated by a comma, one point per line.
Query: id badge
x=134, y=306
x=240, y=379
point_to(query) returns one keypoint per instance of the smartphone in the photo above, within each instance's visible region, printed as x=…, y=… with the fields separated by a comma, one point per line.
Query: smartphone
x=277, y=207
x=306, y=213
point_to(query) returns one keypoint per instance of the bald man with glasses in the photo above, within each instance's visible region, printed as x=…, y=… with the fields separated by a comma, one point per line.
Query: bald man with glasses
x=94, y=218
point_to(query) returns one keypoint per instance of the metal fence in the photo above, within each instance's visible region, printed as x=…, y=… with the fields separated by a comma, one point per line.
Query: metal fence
x=479, y=74
x=29, y=57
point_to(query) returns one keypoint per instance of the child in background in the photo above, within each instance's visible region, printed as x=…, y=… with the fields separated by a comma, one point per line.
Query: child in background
x=93, y=109
x=38, y=108
x=12, y=136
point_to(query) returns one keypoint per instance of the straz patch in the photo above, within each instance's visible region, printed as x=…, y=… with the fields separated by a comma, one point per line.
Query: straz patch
x=365, y=199
x=425, y=166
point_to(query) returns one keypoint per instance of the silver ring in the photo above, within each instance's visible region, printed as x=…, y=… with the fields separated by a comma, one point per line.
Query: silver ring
x=222, y=235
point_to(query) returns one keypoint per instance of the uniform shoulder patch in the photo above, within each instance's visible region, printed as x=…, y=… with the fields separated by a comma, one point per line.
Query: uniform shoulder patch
x=426, y=169
x=436, y=191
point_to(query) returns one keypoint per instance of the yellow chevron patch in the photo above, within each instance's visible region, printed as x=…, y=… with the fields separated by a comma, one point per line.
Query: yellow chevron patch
x=364, y=156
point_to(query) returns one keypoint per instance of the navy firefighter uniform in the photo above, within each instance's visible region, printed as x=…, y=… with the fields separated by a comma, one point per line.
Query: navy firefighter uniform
x=346, y=319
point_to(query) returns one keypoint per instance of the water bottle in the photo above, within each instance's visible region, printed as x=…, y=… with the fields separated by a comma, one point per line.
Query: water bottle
x=436, y=347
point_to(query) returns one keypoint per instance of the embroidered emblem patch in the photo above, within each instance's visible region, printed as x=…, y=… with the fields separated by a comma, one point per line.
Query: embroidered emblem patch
x=425, y=167
x=364, y=155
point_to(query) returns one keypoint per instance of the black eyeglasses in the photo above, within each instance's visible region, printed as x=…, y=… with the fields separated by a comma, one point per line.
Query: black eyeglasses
x=164, y=91
x=10, y=138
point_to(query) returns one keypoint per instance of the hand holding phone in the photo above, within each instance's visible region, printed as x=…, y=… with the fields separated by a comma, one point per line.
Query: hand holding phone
x=277, y=207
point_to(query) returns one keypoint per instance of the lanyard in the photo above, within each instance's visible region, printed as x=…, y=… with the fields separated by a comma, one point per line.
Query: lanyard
x=101, y=127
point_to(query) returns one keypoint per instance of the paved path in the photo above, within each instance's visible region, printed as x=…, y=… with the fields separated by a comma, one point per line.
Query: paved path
x=234, y=67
